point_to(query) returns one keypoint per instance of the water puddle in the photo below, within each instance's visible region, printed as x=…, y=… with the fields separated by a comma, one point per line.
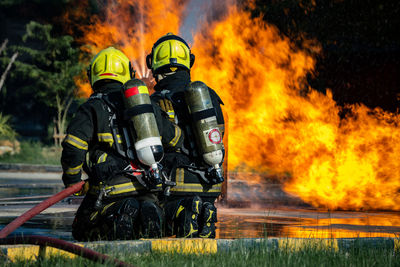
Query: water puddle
x=19, y=195
x=301, y=223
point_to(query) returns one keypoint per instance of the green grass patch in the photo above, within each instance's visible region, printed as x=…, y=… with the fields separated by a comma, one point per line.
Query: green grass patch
x=261, y=256
x=34, y=153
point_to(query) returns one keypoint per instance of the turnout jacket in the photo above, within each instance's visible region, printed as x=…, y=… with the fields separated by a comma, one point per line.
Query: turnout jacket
x=91, y=141
x=188, y=182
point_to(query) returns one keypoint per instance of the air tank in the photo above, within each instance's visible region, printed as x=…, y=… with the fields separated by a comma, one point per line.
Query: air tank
x=143, y=126
x=204, y=121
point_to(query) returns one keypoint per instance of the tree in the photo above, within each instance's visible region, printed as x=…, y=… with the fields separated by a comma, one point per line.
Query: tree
x=48, y=67
x=9, y=65
x=6, y=131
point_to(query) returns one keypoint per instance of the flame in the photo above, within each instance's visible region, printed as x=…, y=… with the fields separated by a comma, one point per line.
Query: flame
x=131, y=26
x=334, y=163
x=277, y=123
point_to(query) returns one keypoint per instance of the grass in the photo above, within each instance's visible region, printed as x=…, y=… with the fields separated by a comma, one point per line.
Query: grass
x=256, y=256
x=34, y=153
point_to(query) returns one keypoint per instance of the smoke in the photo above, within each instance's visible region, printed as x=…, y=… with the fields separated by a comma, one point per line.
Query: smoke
x=200, y=13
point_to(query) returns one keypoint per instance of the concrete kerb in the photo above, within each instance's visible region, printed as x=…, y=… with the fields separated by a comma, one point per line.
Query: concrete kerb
x=198, y=245
x=207, y=246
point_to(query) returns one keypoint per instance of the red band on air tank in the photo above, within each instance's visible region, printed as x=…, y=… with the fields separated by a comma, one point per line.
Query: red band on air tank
x=131, y=91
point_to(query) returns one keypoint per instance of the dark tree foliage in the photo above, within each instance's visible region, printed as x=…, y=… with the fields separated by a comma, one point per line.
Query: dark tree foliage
x=18, y=99
x=49, y=67
x=43, y=77
x=360, y=61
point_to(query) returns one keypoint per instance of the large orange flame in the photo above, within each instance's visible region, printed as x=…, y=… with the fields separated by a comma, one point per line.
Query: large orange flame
x=277, y=124
x=334, y=163
x=132, y=26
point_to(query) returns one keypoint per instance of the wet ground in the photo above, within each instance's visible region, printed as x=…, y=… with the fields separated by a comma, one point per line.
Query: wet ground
x=256, y=210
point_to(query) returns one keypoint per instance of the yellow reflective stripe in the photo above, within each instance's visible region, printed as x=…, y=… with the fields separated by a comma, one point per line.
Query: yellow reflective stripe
x=206, y=236
x=76, y=142
x=102, y=158
x=125, y=188
x=106, y=207
x=180, y=209
x=105, y=137
x=195, y=188
x=197, y=206
x=178, y=133
x=171, y=114
x=74, y=170
x=192, y=230
x=108, y=138
x=93, y=215
x=209, y=217
x=121, y=188
x=181, y=186
x=180, y=173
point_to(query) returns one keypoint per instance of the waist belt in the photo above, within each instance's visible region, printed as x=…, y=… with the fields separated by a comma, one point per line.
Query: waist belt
x=121, y=186
x=187, y=185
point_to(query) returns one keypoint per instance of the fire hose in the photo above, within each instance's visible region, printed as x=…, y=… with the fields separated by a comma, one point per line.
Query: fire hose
x=48, y=241
x=44, y=241
x=9, y=228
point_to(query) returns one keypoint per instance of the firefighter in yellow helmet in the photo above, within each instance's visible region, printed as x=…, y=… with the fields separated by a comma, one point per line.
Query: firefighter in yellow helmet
x=120, y=200
x=190, y=210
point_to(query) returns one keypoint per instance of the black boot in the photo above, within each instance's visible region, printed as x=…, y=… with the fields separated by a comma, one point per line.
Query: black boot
x=122, y=217
x=207, y=220
x=186, y=217
x=151, y=219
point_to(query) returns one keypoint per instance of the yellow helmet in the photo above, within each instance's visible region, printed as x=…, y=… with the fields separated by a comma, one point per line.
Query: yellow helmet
x=169, y=53
x=112, y=64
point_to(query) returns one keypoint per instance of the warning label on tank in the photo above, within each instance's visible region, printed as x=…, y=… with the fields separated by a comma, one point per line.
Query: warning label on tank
x=209, y=119
x=213, y=137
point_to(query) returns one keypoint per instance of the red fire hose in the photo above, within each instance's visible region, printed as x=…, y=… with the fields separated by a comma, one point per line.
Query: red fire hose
x=44, y=241
x=9, y=228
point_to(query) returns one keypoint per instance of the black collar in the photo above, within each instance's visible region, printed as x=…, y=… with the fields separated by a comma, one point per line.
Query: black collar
x=174, y=83
x=107, y=87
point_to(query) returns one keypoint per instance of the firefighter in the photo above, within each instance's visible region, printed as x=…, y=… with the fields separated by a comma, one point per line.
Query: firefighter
x=190, y=209
x=120, y=198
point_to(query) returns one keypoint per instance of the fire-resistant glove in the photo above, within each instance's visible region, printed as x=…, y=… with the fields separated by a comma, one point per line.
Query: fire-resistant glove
x=83, y=191
x=166, y=105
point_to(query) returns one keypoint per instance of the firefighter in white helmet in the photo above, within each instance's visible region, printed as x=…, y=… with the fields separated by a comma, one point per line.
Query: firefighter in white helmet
x=120, y=201
x=195, y=168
